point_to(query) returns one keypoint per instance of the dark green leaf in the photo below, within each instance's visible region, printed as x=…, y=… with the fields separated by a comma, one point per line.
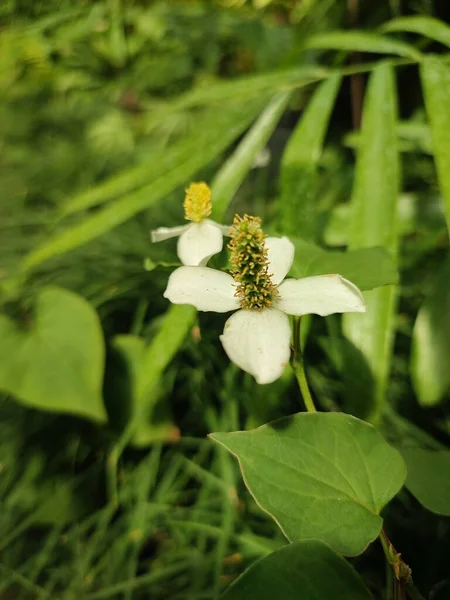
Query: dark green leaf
x=427, y=477
x=307, y=570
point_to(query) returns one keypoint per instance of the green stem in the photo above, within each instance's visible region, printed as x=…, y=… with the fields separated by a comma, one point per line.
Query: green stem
x=298, y=366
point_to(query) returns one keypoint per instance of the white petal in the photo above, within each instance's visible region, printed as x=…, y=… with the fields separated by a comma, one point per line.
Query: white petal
x=281, y=256
x=165, y=233
x=258, y=342
x=199, y=243
x=321, y=295
x=225, y=229
x=204, y=288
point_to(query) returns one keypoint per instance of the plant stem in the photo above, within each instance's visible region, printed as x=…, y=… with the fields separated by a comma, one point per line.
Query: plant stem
x=403, y=583
x=298, y=366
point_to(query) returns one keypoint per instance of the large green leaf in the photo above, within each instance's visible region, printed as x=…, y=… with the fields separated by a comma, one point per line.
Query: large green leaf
x=300, y=160
x=209, y=144
x=230, y=176
x=428, y=479
x=54, y=360
x=367, y=268
x=423, y=25
x=362, y=41
x=435, y=76
x=320, y=475
x=307, y=570
x=374, y=223
x=431, y=342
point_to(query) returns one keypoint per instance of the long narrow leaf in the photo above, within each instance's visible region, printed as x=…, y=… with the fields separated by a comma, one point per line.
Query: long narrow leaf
x=237, y=166
x=435, y=77
x=300, y=161
x=362, y=41
x=374, y=223
x=426, y=26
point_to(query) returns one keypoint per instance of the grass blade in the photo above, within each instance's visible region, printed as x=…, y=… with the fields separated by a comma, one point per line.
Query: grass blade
x=374, y=223
x=427, y=26
x=435, y=75
x=300, y=161
x=233, y=172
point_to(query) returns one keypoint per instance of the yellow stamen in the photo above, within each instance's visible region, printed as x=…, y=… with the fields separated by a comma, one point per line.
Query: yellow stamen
x=197, y=202
x=250, y=264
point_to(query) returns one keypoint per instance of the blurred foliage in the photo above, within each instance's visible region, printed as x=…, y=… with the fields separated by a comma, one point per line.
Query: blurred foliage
x=107, y=103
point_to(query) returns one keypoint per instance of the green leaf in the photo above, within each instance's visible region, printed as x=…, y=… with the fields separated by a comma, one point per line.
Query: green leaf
x=307, y=570
x=427, y=477
x=135, y=392
x=123, y=401
x=300, y=161
x=55, y=360
x=374, y=223
x=362, y=41
x=320, y=475
x=228, y=126
x=426, y=26
x=367, y=268
x=431, y=342
x=234, y=170
x=435, y=75
x=250, y=86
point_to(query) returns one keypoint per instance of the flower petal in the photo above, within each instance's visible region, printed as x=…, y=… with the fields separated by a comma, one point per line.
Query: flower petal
x=204, y=288
x=165, y=233
x=199, y=243
x=281, y=256
x=258, y=342
x=322, y=295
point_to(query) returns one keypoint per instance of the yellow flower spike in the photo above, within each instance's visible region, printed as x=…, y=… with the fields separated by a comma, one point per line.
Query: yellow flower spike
x=197, y=202
x=250, y=264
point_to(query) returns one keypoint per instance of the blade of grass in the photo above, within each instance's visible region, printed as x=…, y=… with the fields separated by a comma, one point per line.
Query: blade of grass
x=421, y=24
x=374, y=223
x=362, y=41
x=300, y=160
x=435, y=76
x=234, y=170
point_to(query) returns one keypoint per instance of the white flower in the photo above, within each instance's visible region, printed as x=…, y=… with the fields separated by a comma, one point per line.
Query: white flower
x=200, y=239
x=258, y=341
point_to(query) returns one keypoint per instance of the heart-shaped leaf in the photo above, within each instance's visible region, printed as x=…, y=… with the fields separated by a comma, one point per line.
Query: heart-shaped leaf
x=309, y=570
x=320, y=475
x=56, y=361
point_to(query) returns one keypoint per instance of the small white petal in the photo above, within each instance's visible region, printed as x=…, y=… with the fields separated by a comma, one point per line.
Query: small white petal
x=165, y=233
x=321, y=295
x=225, y=229
x=200, y=242
x=281, y=256
x=258, y=342
x=204, y=288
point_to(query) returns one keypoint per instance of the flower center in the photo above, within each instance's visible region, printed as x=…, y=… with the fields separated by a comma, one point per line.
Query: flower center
x=197, y=202
x=250, y=264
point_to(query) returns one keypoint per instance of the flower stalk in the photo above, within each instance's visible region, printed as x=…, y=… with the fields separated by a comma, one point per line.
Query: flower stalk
x=298, y=365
